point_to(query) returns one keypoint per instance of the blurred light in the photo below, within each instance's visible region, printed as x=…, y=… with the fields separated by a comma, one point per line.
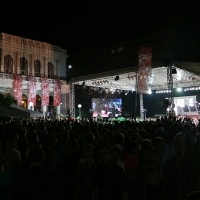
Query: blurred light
x=179, y=89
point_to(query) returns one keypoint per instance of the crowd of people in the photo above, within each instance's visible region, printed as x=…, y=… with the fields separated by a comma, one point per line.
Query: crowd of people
x=94, y=160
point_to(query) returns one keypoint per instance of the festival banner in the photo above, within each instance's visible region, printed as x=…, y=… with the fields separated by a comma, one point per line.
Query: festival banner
x=45, y=91
x=17, y=88
x=31, y=90
x=57, y=91
x=144, y=73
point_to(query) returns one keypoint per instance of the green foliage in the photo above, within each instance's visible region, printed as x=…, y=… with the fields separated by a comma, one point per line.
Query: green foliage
x=7, y=99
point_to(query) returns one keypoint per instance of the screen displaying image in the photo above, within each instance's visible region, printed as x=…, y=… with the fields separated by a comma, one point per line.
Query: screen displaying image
x=106, y=107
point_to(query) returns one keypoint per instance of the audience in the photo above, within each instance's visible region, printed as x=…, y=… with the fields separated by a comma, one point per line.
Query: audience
x=88, y=160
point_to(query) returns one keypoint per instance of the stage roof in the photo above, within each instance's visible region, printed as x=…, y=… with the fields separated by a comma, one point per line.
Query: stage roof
x=188, y=75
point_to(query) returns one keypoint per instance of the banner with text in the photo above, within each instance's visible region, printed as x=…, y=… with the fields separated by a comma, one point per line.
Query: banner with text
x=57, y=91
x=144, y=73
x=45, y=91
x=31, y=90
x=17, y=88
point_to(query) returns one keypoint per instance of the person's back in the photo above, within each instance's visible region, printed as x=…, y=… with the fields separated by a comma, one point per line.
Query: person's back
x=37, y=182
x=109, y=177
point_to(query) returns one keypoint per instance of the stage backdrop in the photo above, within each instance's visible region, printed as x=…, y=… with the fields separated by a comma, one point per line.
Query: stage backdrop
x=145, y=59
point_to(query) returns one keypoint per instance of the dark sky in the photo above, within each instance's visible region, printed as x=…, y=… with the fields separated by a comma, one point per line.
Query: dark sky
x=79, y=25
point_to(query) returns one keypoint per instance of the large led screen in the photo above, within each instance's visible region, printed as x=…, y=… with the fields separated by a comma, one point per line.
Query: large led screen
x=106, y=107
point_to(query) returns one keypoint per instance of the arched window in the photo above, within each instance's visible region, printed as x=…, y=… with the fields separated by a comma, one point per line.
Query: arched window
x=50, y=100
x=38, y=103
x=37, y=66
x=23, y=66
x=50, y=107
x=24, y=101
x=50, y=70
x=8, y=64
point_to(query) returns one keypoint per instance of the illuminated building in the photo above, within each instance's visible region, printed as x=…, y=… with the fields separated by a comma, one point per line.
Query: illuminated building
x=39, y=66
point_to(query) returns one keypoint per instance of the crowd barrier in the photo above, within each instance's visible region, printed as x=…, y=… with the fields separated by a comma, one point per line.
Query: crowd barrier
x=171, y=181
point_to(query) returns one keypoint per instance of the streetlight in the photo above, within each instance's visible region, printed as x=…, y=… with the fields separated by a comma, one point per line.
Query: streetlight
x=79, y=106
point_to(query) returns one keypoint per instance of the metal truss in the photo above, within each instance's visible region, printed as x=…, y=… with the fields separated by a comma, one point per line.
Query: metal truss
x=72, y=100
x=170, y=88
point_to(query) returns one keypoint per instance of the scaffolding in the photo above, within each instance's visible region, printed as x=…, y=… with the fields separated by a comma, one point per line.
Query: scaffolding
x=171, y=105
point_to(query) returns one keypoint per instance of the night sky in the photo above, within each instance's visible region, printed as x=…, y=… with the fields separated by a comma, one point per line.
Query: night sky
x=80, y=25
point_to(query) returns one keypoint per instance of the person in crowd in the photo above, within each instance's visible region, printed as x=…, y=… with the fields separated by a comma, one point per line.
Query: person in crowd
x=188, y=138
x=155, y=161
x=197, y=158
x=84, y=169
x=11, y=166
x=117, y=156
x=109, y=177
x=169, y=147
x=179, y=145
x=37, y=182
x=130, y=157
x=146, y=146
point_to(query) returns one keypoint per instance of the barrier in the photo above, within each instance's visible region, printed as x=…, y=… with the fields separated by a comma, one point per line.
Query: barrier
x=171, y=181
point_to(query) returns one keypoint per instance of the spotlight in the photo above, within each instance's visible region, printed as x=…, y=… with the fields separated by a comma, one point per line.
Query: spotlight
x=179, y=89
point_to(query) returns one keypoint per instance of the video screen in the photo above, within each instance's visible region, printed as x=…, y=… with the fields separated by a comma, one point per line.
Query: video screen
x=106, y=107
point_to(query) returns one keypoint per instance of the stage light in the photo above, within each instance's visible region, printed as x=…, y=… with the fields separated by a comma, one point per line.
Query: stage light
x=116, y=78
x=179, y=89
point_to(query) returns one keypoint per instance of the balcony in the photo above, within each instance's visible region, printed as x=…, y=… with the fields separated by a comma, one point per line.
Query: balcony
x=25, y=78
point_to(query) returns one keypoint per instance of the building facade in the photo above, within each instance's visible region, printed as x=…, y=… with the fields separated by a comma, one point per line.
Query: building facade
x=34, y=73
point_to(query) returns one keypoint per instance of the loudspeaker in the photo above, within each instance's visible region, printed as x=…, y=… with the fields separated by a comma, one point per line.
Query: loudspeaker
x=174, y=71
x=116, y=78
x=165, y=103
x=198, y=98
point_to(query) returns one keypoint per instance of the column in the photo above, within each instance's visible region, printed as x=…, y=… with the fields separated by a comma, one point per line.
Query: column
x=44, y=109
x=141, y=107
x=43, y=67
x=31, y=72
x=58, y=112
x=56, y=68
x=2, y=54
x=16, y=62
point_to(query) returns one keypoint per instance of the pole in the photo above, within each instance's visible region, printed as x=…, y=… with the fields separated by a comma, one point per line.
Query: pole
x=136, y=94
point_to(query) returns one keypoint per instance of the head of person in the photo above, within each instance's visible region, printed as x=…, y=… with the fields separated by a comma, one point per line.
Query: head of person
x=179, y=138
x=104, y=154
x=35, y=156
x=158, y=143
x=12, y=158
x=146, y=144
x=87, y=150
x=116, y=154
x=132, y=147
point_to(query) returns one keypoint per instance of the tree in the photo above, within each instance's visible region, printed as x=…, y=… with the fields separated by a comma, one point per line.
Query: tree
x=7, y=99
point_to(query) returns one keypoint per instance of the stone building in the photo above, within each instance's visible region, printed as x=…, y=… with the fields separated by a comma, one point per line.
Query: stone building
x=34, y=73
